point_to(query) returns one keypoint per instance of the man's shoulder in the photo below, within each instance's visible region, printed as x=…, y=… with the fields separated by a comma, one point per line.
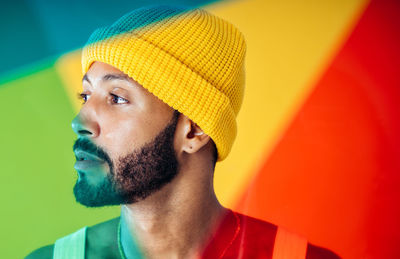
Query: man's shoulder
x=99, y=233
x=316, y=252
x=262, y=231
x=104, y=226
x=249, y=221
x=45, y=252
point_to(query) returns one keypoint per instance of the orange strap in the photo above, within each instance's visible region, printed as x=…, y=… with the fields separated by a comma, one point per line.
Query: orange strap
x=289, y=245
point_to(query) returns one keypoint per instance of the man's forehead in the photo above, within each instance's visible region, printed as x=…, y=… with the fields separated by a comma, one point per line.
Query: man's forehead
x=105, y=72
x=100, y=73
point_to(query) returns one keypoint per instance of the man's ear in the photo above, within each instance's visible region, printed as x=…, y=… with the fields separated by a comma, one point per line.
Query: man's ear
x=193, y=136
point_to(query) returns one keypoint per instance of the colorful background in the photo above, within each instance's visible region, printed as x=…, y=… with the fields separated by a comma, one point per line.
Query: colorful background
x=318, y=147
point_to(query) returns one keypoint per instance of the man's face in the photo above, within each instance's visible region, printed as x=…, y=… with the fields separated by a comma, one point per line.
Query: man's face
x=125, y=147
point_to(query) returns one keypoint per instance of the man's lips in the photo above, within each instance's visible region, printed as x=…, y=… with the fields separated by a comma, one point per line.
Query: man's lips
x=86, y=160
x=82, y=155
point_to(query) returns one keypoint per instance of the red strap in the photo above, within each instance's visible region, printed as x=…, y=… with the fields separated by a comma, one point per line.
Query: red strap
x=289, y=245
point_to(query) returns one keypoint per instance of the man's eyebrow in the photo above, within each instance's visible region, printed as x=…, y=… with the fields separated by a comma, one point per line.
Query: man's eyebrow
x=109, y=77
x=115, y=77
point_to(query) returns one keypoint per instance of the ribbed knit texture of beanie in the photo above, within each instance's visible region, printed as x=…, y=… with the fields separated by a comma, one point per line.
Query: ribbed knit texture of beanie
x=190, y=59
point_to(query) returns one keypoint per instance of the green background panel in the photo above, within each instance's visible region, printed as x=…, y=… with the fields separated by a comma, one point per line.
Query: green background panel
x=35, y=29
x=37, y=166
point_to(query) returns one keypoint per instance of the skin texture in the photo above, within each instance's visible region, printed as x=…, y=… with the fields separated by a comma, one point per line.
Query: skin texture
x=133, y=178
x=173, y=222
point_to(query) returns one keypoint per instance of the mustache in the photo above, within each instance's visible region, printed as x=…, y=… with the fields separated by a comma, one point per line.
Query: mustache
x=88, y=146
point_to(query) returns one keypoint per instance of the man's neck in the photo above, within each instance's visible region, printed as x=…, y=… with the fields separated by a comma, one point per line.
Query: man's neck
x=175, y=222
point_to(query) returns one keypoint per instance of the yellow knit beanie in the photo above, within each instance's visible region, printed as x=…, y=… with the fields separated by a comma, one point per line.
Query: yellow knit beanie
x=190, y=59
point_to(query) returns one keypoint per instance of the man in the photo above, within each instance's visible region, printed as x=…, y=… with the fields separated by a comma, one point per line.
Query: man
x=162, y=87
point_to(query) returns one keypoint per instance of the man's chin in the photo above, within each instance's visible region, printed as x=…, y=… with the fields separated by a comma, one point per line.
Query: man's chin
x=102, y=194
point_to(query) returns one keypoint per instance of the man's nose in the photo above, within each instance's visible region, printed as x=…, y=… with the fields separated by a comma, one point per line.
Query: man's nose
x=84, y=127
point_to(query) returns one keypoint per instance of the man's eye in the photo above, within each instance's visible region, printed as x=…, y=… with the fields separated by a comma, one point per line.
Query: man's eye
x=84, y=97
x=118, y=100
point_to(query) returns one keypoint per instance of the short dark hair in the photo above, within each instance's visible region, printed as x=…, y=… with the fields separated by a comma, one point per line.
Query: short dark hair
x=215, y=153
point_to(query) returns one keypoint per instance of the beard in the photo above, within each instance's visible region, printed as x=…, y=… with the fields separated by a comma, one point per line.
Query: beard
x=132, y=177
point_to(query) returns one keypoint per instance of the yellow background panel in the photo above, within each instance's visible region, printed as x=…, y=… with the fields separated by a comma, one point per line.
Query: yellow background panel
x=289, y=45
x=69, y=69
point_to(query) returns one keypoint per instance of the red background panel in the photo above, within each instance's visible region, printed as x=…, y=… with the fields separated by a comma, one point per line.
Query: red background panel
x=335, y=174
